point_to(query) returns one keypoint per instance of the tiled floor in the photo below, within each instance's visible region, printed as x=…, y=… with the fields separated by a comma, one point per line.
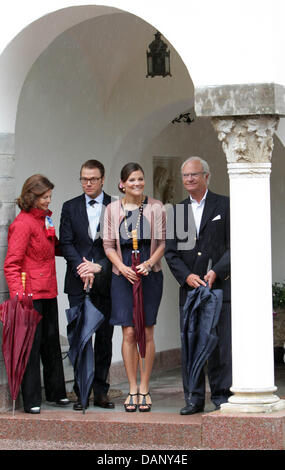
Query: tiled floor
x=167, y=392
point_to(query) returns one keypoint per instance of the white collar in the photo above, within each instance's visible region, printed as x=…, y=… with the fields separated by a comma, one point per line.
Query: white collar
x=202, y=200
x=98, y=199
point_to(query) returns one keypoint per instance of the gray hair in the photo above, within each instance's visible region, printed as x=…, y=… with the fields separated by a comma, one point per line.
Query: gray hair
x=204, y=164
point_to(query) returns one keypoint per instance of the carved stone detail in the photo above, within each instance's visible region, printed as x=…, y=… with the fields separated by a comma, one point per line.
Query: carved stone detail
x=247, y=139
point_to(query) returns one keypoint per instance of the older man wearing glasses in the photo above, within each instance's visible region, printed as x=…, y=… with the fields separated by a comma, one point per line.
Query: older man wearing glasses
x=81, y=245
x=198, y=252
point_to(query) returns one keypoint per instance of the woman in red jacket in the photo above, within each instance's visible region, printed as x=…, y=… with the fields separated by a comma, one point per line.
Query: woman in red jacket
x=31, y=249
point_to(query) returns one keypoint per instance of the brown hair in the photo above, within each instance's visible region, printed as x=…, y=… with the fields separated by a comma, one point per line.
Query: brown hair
x=127, y=170
x=94, y=164
x=34, y=187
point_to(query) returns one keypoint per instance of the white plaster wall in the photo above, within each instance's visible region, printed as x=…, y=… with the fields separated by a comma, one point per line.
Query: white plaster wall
x=221, y=41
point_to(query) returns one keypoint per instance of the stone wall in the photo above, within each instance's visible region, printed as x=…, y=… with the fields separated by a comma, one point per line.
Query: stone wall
x=7, y=197
x=7, y=215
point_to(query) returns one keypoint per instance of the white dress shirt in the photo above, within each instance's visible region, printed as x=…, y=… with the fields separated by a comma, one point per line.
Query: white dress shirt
x=197, y=208
x=94, y=213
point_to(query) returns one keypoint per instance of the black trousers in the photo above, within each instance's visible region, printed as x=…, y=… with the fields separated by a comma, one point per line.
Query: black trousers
x=46, y=347
x=219, y=365
x=102, y=352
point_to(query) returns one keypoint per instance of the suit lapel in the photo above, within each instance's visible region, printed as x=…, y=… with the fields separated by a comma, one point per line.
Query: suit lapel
x=209, y=208
x=106, y=201
x=84, y=217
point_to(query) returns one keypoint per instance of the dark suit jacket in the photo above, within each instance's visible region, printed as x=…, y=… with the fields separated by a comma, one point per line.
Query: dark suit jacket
x=213, y=243
x=75, y=243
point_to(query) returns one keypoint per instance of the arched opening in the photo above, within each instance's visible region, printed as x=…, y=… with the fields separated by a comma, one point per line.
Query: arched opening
x=87, y=96
x=69, y=101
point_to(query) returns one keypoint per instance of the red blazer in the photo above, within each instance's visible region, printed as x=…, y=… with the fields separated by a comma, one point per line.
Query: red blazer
x=31, y=251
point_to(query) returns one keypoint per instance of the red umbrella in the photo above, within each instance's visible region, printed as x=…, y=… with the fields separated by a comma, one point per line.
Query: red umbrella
x=138, y=309
x=19, y=320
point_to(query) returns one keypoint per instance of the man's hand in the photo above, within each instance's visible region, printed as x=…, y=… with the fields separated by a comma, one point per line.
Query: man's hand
x=193, y=280
x=87, y=270
x=210, y=277
x=87, y=267
x=88, y=280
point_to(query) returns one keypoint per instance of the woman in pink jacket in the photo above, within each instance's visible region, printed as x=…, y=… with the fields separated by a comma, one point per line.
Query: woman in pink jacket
x=31, y=249
x=146, y=216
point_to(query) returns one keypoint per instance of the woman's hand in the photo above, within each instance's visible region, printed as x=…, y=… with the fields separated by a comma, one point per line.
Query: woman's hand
x=128, y=273
x=144, y=269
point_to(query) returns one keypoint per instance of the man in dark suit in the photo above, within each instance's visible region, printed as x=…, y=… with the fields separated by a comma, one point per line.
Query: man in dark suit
x=81, y=245
x=198, y=251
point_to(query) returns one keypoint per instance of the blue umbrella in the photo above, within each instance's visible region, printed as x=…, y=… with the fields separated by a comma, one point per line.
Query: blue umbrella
x=201, y=314
x=83, y=321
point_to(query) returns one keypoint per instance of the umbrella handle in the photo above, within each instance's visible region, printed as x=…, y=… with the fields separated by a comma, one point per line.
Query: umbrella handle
x=23, y=279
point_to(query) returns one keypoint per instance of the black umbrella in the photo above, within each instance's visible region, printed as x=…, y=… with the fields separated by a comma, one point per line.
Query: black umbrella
x=198, y=334
x=83, y=321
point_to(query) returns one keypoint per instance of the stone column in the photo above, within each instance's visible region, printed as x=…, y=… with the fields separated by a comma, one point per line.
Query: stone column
x=7, y=215
x=245, y=118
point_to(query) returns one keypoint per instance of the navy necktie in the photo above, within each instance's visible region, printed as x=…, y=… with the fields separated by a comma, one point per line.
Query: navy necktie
x=92, y=202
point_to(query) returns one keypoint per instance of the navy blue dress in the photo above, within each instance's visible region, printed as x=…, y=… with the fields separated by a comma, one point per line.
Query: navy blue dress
x=122, y=289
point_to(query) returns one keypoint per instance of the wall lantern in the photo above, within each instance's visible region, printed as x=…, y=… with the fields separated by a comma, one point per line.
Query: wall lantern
x=158, y=58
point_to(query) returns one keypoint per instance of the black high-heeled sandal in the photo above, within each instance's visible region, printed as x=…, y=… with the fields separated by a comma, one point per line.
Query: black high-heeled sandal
x=144, y=406
x=131, y=406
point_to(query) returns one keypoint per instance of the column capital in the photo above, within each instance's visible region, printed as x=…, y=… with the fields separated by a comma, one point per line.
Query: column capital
x=240, y=100
x=246, y=139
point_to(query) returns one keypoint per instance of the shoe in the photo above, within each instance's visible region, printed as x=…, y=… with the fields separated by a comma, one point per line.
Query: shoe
x=144, y=406
x=103, y=401
x=34, y=410
x=63, y=402
x=191, y=409
x=131, y=406
x=78, y=406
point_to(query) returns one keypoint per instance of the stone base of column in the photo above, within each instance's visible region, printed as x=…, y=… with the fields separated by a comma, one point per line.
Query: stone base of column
x=253, y=402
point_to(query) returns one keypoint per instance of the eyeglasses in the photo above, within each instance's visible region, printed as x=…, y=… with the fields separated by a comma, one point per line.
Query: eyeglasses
x=193, y=175
x=90, y=180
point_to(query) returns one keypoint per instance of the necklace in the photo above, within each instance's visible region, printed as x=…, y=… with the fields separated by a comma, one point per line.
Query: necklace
x=134, y=233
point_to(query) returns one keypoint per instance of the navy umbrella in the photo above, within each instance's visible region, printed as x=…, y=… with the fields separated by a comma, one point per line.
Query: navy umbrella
x=199, y=338
x=83, y=321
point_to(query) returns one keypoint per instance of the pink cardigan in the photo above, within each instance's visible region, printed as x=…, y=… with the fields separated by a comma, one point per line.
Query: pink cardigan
x=155, y=214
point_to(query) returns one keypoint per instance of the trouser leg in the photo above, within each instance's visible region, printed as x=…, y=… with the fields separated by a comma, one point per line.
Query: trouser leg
x=102, y=357
x=53, y=372
x=197, y=395
x=220, y=361
x=102, y=352
x=31, y=383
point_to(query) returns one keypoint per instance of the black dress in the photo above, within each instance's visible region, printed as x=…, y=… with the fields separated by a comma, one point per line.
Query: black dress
x=122, y=289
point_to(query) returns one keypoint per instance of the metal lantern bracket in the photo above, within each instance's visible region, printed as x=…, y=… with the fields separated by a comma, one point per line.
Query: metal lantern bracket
x=186, y=117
